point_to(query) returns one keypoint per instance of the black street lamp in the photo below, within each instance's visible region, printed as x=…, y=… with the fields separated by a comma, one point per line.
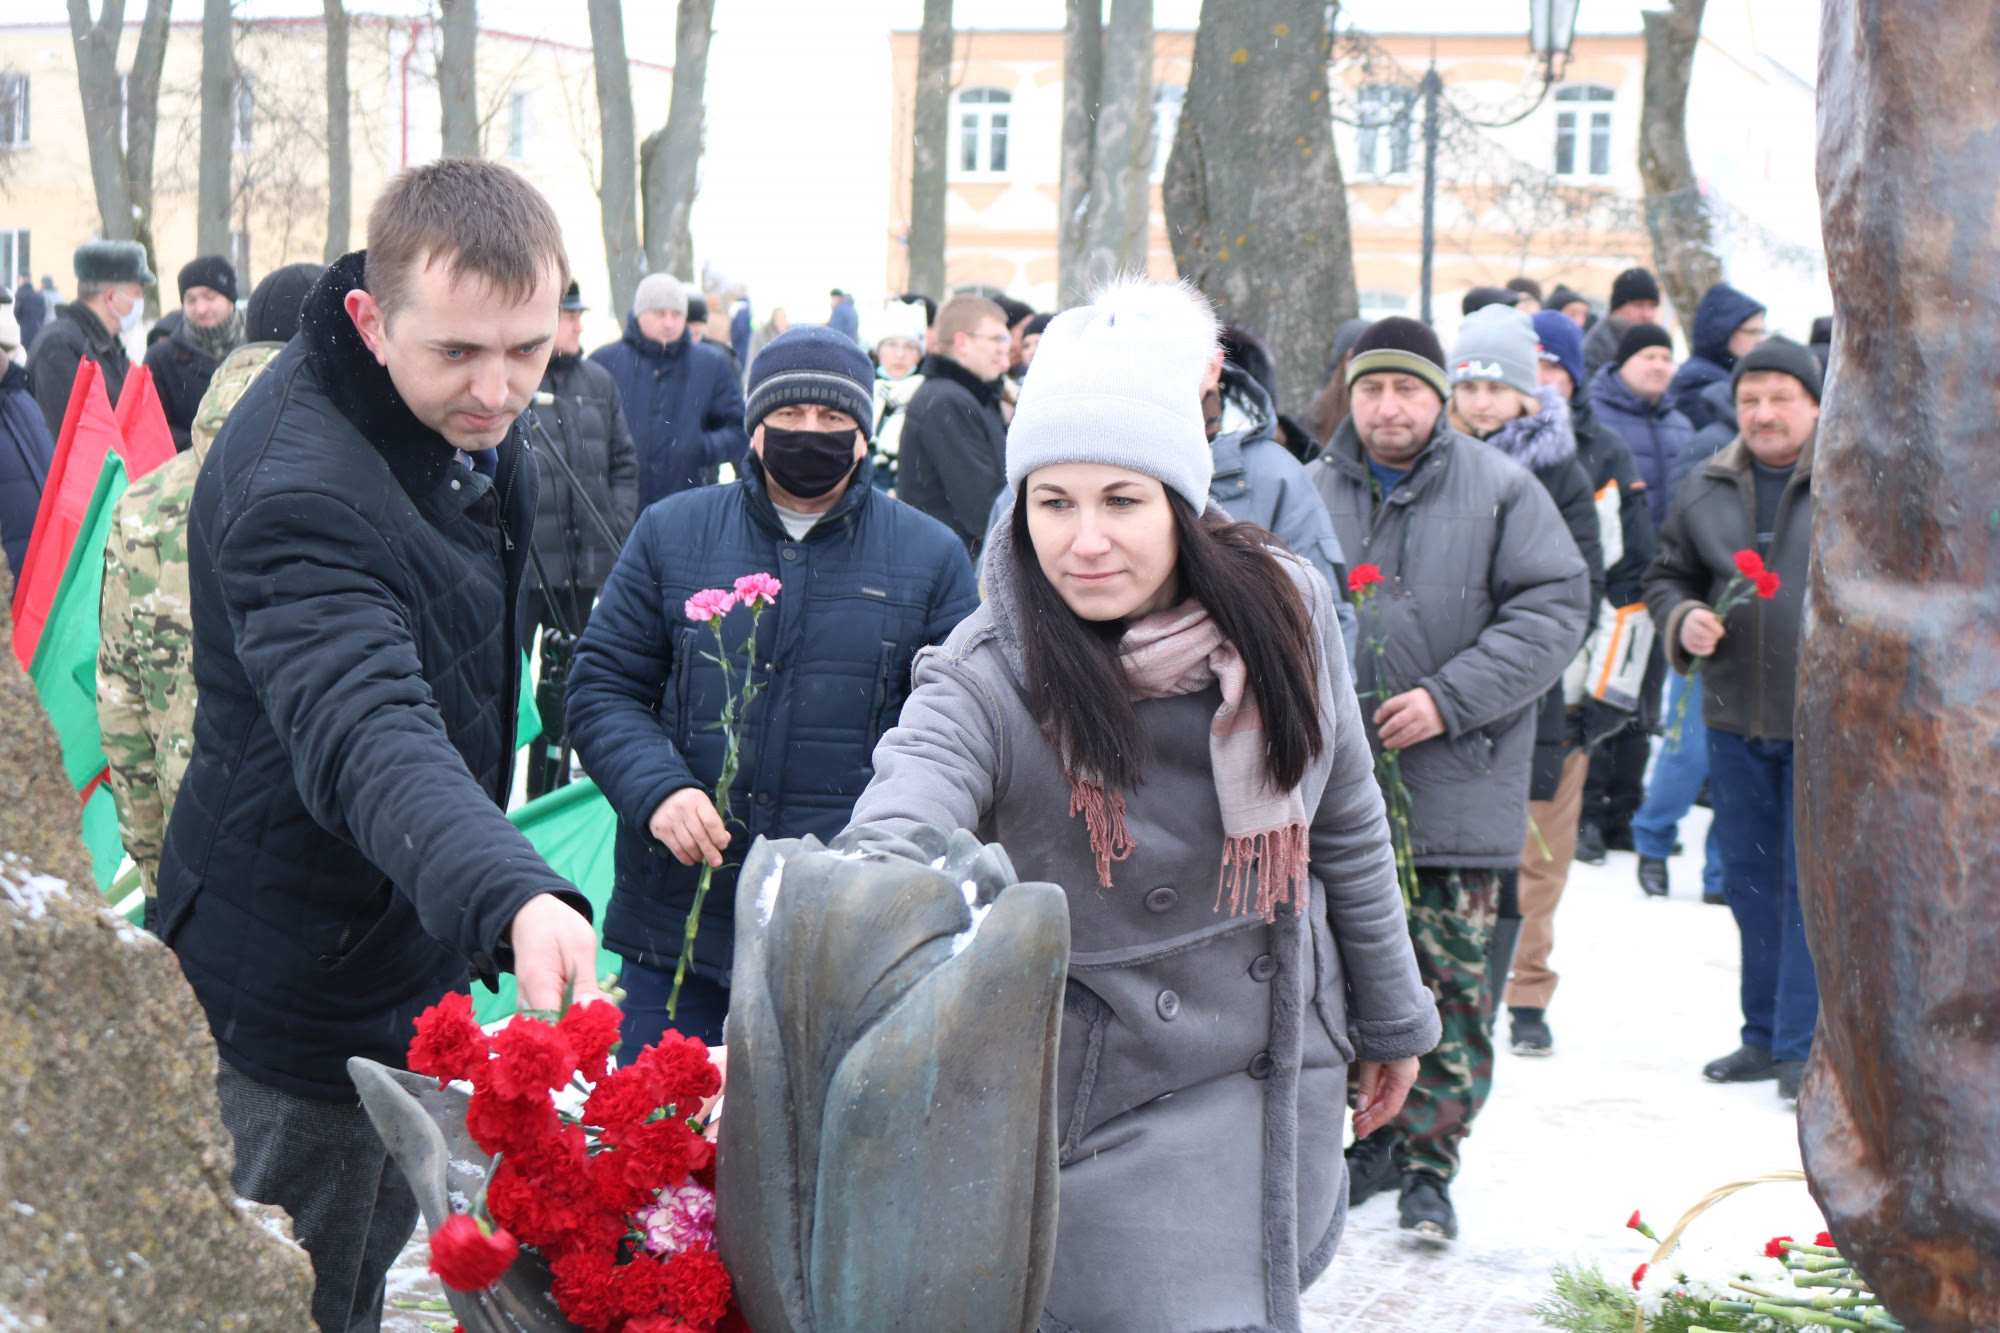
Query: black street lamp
x=1551, y=30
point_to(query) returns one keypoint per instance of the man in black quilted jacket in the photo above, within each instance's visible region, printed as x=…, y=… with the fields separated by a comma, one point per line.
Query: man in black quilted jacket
x=338, y=857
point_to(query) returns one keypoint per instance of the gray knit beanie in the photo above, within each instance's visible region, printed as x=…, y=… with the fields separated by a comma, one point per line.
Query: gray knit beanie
x=1119, y=382
x=1497, y=342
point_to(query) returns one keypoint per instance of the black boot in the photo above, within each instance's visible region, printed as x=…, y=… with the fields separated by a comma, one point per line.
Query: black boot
x=1789, y=1073
x=1618, y=838
x=1653, y=876
x=1589, y=844
x=1529, y=1032
x=1426, y=1207
x=1372, y=1165
x=1745, y=1064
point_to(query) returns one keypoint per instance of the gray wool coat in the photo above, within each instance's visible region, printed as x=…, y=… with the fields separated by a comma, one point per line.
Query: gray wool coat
x=1486, y=600
x=1203, y=1063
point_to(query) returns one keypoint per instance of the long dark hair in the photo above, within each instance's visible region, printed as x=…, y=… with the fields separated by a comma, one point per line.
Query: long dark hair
x=1077, y=689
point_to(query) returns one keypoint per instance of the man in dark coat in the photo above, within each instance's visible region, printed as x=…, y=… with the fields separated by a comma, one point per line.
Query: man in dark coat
x=1498, y=397
x=953, y=458
x=338, y=855
x=1753, y=498
x=1727, y=324
x=577, y=428
x=1720, y=400
x=31, y=311
x=682, y=401
x=1635, y=299
x=111, y=282
x=1630, y=396
x=26, y=447
x=1484, y=602
x=210, y=328
x=867, y=582
x=1618, y=740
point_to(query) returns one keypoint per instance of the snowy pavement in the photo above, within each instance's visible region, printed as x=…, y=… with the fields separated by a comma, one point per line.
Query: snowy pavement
x=1619, y=1118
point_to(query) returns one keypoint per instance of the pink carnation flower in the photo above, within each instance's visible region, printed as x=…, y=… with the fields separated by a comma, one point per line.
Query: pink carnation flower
x=753, y=589
x=683, y=1218
x=710, y=604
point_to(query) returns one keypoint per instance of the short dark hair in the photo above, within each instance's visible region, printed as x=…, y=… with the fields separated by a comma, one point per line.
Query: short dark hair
x=1527, y=287
x=476, y=216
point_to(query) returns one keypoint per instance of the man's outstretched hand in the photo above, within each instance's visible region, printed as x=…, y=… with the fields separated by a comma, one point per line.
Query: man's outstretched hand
x=554, y=949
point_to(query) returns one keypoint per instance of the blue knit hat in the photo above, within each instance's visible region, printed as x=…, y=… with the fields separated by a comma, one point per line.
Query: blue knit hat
x=812, y=363
x=1562, y=343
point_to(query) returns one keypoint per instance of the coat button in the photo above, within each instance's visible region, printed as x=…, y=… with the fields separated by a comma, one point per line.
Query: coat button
x=454, y=483
x=791, y=553
x=1161, y=899
x=1169, y=1005
x=1264, y=968
x=1262, y=1064
x=763, y=798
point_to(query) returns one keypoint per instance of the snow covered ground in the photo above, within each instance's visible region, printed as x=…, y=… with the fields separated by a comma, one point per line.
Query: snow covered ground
x=1619, y=1118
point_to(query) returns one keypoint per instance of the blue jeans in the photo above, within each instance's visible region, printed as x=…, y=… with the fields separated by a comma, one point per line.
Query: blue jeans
x=1678, y=773
x=703, y=1005
x=1750, y=783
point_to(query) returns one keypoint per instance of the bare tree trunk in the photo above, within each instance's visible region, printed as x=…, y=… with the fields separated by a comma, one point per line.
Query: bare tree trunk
x=458, y=78
x=930, y=132
x=670, y=160
x=1083, y=82
x=1676, y=215
x=1255, y=204
x=339, y=155
x=142, y=123
x=97, y=80
x=1121, y=169
x=617, y=190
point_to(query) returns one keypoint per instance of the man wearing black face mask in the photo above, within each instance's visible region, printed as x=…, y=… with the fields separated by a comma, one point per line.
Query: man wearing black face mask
x=867, y=581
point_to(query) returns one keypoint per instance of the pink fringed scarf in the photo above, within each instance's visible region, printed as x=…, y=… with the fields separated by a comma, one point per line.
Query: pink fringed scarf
x=1176, y=652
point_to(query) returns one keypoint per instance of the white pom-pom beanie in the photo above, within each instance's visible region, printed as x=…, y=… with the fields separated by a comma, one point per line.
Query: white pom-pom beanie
x=1119, y=382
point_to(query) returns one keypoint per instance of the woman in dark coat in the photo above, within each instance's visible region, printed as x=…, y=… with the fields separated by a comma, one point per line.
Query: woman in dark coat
x=1152, y=708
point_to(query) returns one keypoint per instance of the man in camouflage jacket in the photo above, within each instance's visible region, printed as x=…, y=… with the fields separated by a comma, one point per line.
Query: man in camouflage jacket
x=145, y=668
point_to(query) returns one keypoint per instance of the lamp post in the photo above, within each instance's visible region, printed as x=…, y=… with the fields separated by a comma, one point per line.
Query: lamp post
x=1551, y=30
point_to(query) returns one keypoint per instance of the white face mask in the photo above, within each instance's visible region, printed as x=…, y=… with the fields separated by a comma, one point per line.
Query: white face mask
x=129, y=322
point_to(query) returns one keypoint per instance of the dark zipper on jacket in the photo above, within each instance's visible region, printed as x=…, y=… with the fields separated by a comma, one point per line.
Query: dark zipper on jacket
x=510, y=694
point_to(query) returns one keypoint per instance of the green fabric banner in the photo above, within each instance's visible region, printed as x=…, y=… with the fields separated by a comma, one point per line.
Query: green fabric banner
x=572, y=827
x=527, y=718
x=64, y=670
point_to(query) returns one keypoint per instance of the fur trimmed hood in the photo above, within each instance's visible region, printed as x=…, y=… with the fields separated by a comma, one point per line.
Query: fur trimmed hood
x=1543, y=440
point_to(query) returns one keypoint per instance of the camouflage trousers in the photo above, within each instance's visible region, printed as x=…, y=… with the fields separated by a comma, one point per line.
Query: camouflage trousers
x=1451, y=923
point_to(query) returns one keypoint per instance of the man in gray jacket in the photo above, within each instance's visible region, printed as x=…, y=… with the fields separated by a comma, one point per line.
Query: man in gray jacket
x=1483, y=599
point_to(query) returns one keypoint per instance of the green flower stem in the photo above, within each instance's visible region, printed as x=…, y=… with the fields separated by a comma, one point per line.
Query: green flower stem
x=1389, y=769
x=735, y=710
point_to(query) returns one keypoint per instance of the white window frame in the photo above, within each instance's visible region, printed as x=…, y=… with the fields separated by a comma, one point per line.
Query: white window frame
x=15, y=255
x=1381, y=302
x=520, y=125
x=982, y=121
x=1383, y=136
x=1584, y=123
x=243, y=114
x=17, y=89
x=1168, y=99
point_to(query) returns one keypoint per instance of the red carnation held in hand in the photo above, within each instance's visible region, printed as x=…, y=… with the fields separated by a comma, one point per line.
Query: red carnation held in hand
x=466, y=1258
x=1767, y=583
x=1363, y=577
x=450, y=1044
x=1749, y=564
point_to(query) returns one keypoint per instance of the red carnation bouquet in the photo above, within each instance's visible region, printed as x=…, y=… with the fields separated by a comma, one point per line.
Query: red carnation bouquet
x=1751, y=579
x=617, y=1192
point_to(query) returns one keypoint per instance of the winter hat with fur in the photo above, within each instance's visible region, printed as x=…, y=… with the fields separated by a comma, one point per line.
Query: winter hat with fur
x=1497, y=342
x=1118, y=382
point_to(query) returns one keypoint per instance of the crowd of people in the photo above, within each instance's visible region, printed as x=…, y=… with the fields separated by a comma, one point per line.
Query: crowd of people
x=1476, y=585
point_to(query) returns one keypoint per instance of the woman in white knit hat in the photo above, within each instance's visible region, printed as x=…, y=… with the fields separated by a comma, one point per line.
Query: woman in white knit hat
x=1152, y=708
